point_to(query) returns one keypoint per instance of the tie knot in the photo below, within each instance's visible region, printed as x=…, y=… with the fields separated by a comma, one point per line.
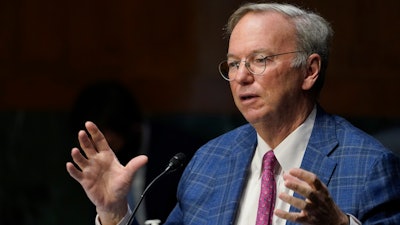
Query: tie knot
x=269, y=161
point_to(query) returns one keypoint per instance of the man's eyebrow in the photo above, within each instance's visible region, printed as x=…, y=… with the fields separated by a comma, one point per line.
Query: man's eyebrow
x=254, y=52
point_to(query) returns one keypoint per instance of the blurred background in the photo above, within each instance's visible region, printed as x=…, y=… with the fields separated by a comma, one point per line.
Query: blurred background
x=165, y=53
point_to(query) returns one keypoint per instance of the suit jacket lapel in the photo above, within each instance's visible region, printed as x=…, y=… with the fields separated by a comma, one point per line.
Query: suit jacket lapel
x=316, y=157
x=233, y=175
x=322, y=142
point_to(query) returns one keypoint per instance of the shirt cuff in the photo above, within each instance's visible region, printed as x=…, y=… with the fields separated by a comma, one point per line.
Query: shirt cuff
x=123, y=221
x=353, y=220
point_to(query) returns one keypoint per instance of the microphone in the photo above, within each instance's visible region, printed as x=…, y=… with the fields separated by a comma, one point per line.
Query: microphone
x=175, y=162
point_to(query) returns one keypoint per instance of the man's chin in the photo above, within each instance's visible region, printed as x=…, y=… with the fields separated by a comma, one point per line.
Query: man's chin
x=253, y=117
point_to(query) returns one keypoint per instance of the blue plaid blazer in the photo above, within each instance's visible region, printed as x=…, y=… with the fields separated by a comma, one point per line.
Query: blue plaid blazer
x=362, y=176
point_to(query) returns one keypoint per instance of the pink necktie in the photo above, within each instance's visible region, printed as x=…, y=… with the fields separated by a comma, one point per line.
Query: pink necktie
x=266, y=202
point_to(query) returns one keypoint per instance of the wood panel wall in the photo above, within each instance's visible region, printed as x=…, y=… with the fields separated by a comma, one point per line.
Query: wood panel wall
x=167, y=53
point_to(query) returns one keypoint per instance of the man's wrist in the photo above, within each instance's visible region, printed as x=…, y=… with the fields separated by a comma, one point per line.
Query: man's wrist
x=123, y=221
x=112, y=217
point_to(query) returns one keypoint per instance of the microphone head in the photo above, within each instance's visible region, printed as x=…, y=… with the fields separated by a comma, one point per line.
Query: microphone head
x=176, y=162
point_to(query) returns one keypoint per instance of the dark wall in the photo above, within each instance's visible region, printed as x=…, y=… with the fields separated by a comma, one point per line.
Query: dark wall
x=168, y=52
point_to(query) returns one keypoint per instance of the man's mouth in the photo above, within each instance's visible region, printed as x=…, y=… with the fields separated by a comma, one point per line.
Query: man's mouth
x=247, y=97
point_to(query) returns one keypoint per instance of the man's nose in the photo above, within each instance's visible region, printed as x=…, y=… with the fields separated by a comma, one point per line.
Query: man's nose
x=243, y=74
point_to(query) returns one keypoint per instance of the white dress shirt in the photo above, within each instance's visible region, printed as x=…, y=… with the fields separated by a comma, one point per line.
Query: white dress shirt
x=289, y=154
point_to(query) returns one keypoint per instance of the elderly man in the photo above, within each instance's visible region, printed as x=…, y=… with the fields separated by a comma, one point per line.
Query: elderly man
x=292, y=164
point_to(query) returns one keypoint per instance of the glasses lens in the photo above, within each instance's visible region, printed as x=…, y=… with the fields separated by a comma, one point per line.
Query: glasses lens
x=224, y=70
x=257, y=66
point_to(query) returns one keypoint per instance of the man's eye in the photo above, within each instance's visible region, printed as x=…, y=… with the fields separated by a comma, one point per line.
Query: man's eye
x=261, y=60
x=232, y=64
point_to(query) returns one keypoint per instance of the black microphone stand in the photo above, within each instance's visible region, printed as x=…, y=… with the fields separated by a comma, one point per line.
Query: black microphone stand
x=175, y=162
x=143, y=195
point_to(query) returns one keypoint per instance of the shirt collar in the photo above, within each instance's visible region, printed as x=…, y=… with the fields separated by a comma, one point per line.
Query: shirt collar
x=290, y=151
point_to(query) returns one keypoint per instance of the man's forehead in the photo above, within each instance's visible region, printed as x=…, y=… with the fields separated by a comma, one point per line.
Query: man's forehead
x=269, y=31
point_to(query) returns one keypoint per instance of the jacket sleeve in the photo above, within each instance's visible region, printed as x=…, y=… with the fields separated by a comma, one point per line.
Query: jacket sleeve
x=380, y=199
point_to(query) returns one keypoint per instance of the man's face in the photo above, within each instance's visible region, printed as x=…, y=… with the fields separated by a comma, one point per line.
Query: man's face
x=275, y=92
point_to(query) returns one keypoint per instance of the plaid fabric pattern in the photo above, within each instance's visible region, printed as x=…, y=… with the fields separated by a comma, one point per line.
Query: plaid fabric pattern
x=362, y=176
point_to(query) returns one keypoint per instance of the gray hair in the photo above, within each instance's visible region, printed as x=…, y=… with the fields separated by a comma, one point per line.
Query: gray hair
x=314, y=33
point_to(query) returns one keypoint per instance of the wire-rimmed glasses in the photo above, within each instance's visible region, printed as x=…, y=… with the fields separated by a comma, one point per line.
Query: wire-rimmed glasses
x=255, y=64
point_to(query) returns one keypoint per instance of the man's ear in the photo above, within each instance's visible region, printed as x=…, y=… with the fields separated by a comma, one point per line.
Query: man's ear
x=312, y=71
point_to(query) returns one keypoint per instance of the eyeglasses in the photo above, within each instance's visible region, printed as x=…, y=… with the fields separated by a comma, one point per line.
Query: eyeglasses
x=255, y=64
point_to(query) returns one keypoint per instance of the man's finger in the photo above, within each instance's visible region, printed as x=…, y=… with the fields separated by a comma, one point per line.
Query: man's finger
x=293, y=201
x=290, y=216
x=308, y=177
x=99, y=141
x=74, y=172
x=297, y=185
x=135, y=163
x=78, y=158
x=86, y=144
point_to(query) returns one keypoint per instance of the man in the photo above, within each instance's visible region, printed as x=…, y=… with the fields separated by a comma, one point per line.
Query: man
x=326, y=171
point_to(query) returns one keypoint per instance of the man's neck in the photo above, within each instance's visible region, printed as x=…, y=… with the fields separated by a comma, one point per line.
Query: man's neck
x=274, y=130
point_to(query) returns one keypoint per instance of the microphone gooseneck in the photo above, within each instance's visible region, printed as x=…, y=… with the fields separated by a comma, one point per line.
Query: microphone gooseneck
x=175, y=162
